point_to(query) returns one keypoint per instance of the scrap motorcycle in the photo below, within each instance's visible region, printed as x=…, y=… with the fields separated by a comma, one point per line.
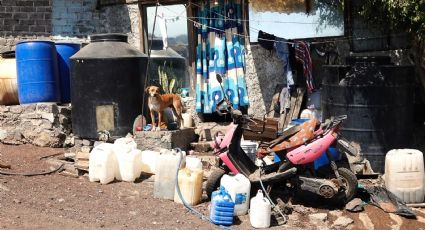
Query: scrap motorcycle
x=295, y=169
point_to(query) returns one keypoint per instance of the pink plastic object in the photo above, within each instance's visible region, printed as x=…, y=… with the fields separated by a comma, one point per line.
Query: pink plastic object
x=305, y=154
x=228, y=163
x=224, y=141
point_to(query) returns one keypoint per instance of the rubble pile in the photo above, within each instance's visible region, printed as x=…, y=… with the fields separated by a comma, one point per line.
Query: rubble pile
x=41, y=124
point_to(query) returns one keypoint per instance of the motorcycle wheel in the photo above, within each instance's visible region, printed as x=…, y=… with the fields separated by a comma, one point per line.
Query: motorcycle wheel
x=213, y=181
x=349, y=180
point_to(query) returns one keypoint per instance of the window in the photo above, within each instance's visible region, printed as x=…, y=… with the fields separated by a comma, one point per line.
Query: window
x=288, y=19
x=169, y=67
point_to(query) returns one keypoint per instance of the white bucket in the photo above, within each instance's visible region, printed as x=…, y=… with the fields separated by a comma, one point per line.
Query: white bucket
x=250, y=148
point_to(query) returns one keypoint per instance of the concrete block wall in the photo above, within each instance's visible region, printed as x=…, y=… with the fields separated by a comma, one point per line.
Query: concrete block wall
x=71, y=20
x=25, y=17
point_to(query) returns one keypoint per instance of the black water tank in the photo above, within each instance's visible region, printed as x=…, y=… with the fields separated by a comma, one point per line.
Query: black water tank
x=379, y=115
x=107, y=82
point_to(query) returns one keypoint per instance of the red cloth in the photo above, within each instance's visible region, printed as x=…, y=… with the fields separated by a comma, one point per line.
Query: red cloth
x=302, y=55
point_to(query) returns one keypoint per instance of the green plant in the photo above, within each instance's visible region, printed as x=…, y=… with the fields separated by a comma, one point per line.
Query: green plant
x=168, y=79
x=397, y=14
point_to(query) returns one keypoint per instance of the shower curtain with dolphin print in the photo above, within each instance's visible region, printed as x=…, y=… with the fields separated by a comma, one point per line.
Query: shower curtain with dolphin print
x=220, y=50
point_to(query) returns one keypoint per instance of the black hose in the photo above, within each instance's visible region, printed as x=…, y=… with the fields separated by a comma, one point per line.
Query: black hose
x=31, y=173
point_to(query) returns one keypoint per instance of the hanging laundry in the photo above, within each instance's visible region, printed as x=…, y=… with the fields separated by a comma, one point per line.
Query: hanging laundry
x=302, y=55
x=163, y=28
x=282, y=52
x=220, y=51
x=266, y=40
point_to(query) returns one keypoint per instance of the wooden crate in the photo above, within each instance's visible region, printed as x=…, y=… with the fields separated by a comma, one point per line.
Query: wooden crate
x=269, y=133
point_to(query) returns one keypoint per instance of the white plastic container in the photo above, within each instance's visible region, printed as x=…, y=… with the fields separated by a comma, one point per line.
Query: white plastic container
x=190, y=184
x=148, y=161
x=193, y=163
x=239, y=188
x=124, y=142
x=187, y=120
x=165, y=177
x=129, y=164
x=102, y=164
x=260, y=212
x=250, y=148
x=404, y=174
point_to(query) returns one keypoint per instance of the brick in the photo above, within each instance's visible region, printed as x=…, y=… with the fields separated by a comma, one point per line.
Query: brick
x=21, y=27
x=20, y=15
x=26, y=22
x=5, y=15
x=44, y=9
x=26, y=9
x=2, y=9
x=9, y=2
x=42, y=22
x=37, y=16
x=24, y=3
x=42, y=3
x=11, y=22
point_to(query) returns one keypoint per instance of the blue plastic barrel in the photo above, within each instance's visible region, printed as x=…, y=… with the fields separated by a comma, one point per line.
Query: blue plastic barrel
x=65, y=51
x=222, y=208
x=37, y=72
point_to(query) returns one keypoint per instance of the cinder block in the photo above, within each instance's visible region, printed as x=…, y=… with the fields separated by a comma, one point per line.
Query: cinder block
x=153, y=140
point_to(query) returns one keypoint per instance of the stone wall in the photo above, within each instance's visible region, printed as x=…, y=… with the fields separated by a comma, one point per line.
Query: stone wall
x=42, y=124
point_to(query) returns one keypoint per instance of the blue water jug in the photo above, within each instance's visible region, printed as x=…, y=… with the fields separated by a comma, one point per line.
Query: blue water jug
x=222, y=208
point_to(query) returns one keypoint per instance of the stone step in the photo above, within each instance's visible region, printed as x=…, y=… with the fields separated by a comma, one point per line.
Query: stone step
x=202, y=148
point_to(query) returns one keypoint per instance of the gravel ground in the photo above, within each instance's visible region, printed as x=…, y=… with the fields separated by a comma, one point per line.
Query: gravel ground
x=62, y=202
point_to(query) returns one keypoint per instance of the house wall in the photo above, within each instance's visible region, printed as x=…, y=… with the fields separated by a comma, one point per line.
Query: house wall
x=71, y=20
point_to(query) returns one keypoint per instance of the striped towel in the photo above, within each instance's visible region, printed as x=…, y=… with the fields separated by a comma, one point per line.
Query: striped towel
x=302, y=54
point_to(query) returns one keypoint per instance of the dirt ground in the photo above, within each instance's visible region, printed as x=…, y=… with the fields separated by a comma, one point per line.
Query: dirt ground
x=63, y=202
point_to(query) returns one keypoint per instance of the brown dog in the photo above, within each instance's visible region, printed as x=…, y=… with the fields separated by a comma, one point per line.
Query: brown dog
x=157, y=103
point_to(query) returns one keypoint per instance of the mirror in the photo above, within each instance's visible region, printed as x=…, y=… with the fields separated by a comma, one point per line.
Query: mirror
x=219, y=78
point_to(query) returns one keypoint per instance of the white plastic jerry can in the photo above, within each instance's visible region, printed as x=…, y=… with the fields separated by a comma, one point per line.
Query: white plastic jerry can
x=165, y=177
x=148, y=161
x=190, y=184
x=260, y=212
x=129, y=164
x=102, y=164
x=404, y=174
x=124, y=144
x=239, y=188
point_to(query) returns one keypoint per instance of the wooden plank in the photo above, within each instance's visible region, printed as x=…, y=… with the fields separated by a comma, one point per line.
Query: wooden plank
x=298, y=103
x=275, y=100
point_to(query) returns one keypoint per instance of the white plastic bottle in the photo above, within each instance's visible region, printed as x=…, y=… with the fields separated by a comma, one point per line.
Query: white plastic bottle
x=239, y=188
x=260, y=212
x=102, y=164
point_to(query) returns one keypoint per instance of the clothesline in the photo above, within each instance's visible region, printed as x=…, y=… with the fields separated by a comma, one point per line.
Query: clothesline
x=344, y=39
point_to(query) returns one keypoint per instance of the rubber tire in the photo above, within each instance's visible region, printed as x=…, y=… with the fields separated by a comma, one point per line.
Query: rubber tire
x=351, y=181
x=213, y=181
